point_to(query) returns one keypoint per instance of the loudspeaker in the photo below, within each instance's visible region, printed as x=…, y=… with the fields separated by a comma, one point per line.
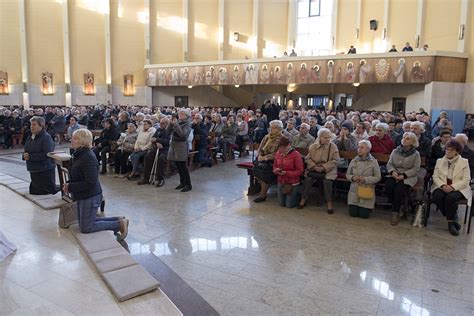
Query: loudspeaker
x=373, y=25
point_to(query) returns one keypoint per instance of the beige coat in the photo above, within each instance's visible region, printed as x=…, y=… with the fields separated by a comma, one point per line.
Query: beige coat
x=370, y=170
x=326, y=156
x=461, y=177
x=408, y=165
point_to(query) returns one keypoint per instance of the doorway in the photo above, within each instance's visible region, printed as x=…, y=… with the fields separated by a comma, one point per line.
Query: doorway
x=399, y=105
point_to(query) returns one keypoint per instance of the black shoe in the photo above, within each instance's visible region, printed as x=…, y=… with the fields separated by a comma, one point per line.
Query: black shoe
x=160, y=183
x=452, y=229
x=103, y=171
x=457, y=225
x=330, y=211
x=179, y=187
x=142, y=182
x=260, y=199
x=187, y=188
x=300, y=206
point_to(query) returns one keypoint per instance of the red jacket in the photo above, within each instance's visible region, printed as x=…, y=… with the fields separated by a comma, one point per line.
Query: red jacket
x=292, y=164
x=382, y=146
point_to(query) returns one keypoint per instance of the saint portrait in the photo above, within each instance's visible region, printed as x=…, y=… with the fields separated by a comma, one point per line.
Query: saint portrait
x=350, y=74
x=89, y=84
x=400, y=71
x=128, y=89
x=265, y=75
x=4, y=89
x=47, y=83
x=236, y=75
x=222, y=77
x=364, y=71
x=330, y=76
x=303, y=73
x=151, y=79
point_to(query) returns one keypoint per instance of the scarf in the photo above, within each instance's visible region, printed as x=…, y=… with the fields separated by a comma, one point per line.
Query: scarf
x=405, y=152
x=367, y=158
x=270, y=140
x=451, y=164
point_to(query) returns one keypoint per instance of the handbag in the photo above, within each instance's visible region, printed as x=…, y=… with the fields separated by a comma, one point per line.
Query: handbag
x=286, y=188
x=365, y=192
x=317, y=175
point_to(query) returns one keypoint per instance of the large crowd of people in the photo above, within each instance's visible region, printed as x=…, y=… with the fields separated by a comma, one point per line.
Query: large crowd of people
x=297, y=149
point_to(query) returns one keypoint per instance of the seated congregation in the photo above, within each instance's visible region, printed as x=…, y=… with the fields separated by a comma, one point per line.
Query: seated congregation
x=361, y=154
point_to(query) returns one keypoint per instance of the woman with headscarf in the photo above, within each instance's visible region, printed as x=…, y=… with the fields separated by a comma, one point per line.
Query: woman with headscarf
x=40, y=166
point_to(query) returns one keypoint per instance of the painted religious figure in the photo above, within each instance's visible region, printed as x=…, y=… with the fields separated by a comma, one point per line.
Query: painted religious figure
x=382, y=70
x=151, y=79
x=251, y=74
x=197, y=77
x=290, y=73
x=350, y=74
x=236, y=75
x=47, y=83
x=315, y=73
x=303, y=74
x=208, y=78
x=278, y=75
x=265, y=75
x=400, y=71
x=184, y=76
x=162, y=77
x=128, y=85
x=4, y=83
x=417, y=74
x=213, y=75
x=222, y=77
x=330, y=75
x=364, y=71
x=89, y=84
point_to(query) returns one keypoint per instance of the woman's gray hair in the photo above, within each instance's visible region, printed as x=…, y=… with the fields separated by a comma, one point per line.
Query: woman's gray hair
x=305, y=125
x=413, y=139
x=420, y=124
x=277, y=123
x=366, y=143
x=324, y=131
x=383, y=126
x=186, y=112
x=39, y=120
x=84, y=136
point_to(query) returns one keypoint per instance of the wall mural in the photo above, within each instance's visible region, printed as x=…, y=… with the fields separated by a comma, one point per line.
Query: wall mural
x=128, y=89
x=47, y=83
x=4, y=89
x=369, y=70
x=89, y=84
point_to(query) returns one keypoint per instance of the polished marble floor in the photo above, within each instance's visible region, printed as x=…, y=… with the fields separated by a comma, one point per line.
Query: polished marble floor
x=242, y=258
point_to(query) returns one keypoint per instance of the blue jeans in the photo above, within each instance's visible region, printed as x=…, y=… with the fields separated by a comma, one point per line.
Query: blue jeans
x=88, y=223
x=135, y=158
x=289, y=200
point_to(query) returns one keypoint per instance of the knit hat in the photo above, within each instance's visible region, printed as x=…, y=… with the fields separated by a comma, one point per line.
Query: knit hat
x=348, y=125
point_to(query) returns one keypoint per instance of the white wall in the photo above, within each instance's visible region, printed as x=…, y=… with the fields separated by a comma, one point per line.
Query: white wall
x=15, y=96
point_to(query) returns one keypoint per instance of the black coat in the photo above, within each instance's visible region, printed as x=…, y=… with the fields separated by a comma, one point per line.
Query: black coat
x=108, y=135
x=38, y=148
x=162, y=136
x=468, y=153
x=425, y=146
x=84, y=173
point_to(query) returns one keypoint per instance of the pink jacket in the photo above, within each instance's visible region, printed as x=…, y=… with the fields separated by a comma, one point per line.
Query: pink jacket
x=292, y=164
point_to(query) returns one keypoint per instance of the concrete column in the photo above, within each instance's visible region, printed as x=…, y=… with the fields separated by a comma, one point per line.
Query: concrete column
x=463, y=25
x=385, y=31
x=108, y=61
x=185, y=29
x=148, y=90
x=255, y=29
x=67, y=64
x=221, y=35
x=419, y=24
x=24, y=55
x=334, y=26
x=292, y=21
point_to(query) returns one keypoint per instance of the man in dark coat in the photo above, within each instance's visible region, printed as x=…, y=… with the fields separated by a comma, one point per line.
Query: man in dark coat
x=200, y=133
x=271, y=110
x=161, y=142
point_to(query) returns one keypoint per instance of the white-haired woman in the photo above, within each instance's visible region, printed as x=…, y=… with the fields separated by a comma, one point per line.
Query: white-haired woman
x=321, y=167
x=180, y=128
x=85, y=188
x=381, y=141
x=363, y=173
x=263, y=169
x=403, y=167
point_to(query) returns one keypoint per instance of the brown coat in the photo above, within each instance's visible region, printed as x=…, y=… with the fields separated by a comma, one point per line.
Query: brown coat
x=325, y=156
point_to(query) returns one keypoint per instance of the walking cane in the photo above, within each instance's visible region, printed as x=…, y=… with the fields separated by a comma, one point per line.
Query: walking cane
x=154, y=168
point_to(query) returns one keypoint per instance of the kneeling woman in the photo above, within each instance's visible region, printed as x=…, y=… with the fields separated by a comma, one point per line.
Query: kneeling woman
x=363, y=173
x=451, y=183
x=288, y=166
x=86, y=190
